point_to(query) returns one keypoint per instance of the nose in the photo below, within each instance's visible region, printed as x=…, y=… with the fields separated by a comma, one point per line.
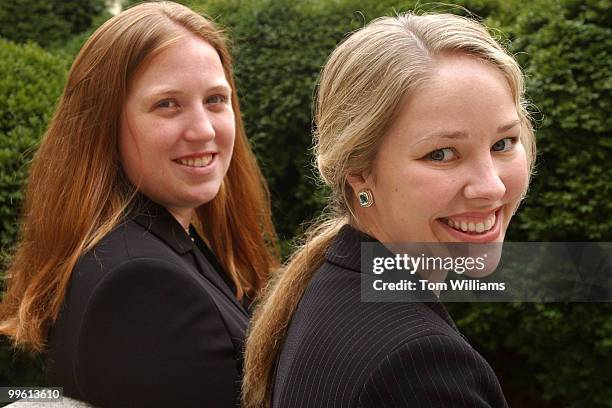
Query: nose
x=484, y=181
x=199, y=126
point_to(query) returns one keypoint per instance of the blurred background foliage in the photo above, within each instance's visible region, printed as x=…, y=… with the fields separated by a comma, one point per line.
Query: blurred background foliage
x=47, y=22
x=546, y=355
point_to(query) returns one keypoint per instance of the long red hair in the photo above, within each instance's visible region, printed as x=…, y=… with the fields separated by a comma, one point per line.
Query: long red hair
x=77, y=193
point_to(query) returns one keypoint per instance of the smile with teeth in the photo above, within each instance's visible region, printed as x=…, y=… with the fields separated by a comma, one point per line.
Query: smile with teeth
x=201, y=161
x=470, y=226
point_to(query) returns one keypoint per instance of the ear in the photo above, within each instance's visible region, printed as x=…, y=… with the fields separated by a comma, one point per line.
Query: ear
x=357, y=182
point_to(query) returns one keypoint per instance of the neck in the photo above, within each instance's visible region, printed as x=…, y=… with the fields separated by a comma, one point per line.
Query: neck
x=182, y=215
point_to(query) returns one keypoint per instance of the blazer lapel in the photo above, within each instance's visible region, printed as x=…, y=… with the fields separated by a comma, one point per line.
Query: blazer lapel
x=209, y=265
x=159, y=222
x=345, y=251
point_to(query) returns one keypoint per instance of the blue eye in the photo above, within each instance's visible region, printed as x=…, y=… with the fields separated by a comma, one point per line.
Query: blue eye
x=441, y=155
x=166, y=104
x=504, y=144
x=216, y=99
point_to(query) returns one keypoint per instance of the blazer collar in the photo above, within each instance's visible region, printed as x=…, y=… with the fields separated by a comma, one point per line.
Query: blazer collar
x=345, y=251
x=157, y=220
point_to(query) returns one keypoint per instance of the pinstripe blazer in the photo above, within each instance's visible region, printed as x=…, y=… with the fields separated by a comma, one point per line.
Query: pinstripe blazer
x=342, y=352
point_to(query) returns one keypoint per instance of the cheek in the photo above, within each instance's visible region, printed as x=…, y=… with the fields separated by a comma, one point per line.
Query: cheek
x=143, y=149
x=227, y=134
x=515, y=177
x=129, y=152
x=416, y=193
x=156, y=141
x=229, y=139
x=225, y=139
x=431, y=189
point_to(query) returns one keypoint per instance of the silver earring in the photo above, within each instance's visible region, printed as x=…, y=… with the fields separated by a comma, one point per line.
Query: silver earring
x=365, y=198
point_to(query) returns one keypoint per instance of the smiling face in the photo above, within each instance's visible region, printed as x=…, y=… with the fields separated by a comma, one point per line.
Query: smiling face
x=452, y=167
x=177, y=127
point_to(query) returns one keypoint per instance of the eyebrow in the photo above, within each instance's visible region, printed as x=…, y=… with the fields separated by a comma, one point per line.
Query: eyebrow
x=460, y=134
x=223, y=87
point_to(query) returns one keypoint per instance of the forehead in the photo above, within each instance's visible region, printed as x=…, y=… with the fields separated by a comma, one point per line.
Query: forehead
x=461, y=94
x=188, y=61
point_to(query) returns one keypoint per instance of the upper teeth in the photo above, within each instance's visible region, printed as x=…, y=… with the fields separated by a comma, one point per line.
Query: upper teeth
x=197, y=162
x=478, y=227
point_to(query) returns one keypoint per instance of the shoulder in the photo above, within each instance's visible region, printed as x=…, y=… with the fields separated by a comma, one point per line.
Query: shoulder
x=141, y=297
x=127, y=241
x=142, y=278
x=146, y=320
x=127, y=269
x=132, y=305
x=336, y=293
x=335, y=340
x=129, y=248
x=128, y=265
x=146, y=323
x=432, y=370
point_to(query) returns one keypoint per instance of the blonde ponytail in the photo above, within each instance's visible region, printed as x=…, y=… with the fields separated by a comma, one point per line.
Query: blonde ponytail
x=278, y=302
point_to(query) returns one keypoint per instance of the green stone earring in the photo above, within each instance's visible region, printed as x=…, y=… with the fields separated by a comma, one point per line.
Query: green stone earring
x=365, y=198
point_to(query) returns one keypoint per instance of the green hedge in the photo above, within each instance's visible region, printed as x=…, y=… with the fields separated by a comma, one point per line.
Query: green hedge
x=565, y=48
x=31, y=81
x=47, y=21
x=546, y=355
x=30, y=84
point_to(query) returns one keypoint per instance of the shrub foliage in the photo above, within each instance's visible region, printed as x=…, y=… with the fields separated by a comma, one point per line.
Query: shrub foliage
x=546, y=355
x=30, y=83
x=46, y=21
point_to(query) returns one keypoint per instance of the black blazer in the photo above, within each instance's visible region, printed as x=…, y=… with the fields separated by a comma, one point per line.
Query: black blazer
x=150, y=319
x=342, y=352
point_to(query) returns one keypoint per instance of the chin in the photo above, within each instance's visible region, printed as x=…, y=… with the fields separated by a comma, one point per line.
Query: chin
x=202, y=198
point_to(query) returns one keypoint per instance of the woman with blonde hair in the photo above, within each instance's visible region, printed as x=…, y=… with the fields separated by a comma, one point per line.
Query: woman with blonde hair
x=146, y=224
x=422, y=136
